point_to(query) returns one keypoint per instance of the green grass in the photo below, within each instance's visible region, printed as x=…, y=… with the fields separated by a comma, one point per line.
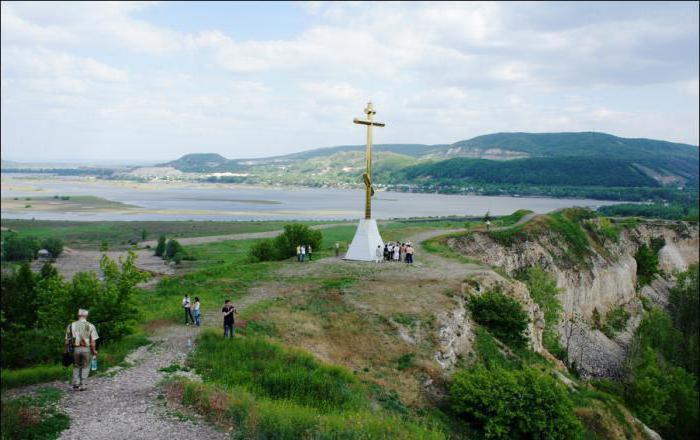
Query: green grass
x=268, y=370
x=32, y=375
x=109, y=356
x=89, y=235
x=33, y=417
x=265, y=390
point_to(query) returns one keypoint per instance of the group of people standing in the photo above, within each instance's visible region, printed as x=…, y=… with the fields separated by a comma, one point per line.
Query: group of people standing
x=228, y=312
x=304, y=252
x=395, y=252
x=189, y=307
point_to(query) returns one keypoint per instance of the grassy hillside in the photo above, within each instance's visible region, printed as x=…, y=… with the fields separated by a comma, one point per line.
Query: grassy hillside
x=577, y=171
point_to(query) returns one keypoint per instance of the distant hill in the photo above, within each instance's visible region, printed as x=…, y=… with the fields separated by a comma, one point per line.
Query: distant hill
x=586, y=158
x=203, y=163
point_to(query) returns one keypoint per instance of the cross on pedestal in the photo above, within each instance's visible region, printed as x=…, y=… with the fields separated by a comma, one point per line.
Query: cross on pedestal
x=367, y=243
x=367, y=176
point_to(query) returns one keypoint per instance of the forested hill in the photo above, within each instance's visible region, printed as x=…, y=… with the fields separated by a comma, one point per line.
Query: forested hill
x=580, y=159
x=569, y=171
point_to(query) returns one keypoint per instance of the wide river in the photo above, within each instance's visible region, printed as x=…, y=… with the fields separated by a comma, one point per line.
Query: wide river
x=182, y=201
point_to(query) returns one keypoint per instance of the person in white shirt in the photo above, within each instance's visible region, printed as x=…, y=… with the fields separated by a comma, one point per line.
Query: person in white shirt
x=81, y=336
x=188, y=309
x=379, y=254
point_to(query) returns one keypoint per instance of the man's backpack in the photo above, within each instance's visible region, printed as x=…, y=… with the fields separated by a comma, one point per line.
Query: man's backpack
x=68, y=355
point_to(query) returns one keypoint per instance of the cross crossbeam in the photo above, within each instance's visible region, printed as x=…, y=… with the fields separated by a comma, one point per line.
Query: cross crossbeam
x=367, y=176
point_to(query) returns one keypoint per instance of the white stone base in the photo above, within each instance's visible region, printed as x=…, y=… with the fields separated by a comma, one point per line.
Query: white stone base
x=364, y=244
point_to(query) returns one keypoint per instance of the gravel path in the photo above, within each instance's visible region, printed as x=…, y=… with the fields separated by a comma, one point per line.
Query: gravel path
x=126, y=405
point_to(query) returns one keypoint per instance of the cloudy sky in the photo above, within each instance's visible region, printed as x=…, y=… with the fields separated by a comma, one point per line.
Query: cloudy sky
x=153, y=81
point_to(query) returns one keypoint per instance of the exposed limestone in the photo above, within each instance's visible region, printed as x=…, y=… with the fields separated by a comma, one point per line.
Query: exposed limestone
x=607, y=281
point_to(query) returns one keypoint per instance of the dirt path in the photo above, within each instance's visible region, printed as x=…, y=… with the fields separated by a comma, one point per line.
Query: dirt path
x=126, y=405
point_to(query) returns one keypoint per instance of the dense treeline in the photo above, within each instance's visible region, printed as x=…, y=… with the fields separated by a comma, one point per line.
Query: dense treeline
x=574, y=171
x=669, y=211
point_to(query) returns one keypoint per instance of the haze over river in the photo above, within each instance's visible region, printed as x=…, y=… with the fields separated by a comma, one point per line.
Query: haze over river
x=191, y=201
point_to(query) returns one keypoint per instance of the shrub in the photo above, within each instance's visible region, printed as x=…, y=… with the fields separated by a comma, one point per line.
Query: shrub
x=543, y=290
x=177, y=258
x=34, y=417
x=647, y=264
x=53, y=245
x=616, y=319
x=295, y=234
x=684, y=306
x=160, y=248
x=502, y=315
x=172, y=248
x=263, y=250
x=505, y=404
x=18, y=248
x=285, y=245
x=112, y=309
x=663, y=397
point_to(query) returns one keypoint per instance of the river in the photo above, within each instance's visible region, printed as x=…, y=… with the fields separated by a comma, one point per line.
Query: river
x=190, y=201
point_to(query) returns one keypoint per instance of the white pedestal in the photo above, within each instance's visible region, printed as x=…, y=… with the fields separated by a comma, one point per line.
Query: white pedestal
x=364, y=244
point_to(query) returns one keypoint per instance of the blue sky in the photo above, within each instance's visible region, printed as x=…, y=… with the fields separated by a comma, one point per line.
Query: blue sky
x=152, y=81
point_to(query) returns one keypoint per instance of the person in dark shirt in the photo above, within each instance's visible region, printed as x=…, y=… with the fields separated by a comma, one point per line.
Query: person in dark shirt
x=228, y=311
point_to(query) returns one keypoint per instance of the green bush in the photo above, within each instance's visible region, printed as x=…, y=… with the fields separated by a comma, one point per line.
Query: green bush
x=285, y=245
x=616, y=320
x=294, y=235
x=172, y=248
x=18, y=248
x=647, y=264
x=160, y=247
x=263, y=250
x=663, y=397
x=543, y=290
x=684, y=306
x=505, y=404
x=53, y=245
x=41, y=308
x=502, y=315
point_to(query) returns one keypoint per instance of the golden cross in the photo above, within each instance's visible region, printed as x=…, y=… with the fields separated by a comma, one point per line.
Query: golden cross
x=367, y=176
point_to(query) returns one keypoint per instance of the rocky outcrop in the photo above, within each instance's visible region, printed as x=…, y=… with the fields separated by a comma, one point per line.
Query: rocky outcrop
x=605, y=281
x=456, y=331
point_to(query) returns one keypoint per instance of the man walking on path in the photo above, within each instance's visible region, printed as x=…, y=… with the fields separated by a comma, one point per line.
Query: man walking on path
x=81, y=336
x=229, y=324
x=337, y=249
x=188, y=309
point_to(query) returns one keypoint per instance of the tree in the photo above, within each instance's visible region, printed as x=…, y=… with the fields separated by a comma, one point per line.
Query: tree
x=19, y=297
x=684, y=307
x=294, y=235
x=104, y=246
x=48, y=271
x=262, y=250
x=505, y=404
x=18, y=248
x=647, y=264
x=173, y=248
x=160, y=247
x=502, y=315
x=53, y=245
